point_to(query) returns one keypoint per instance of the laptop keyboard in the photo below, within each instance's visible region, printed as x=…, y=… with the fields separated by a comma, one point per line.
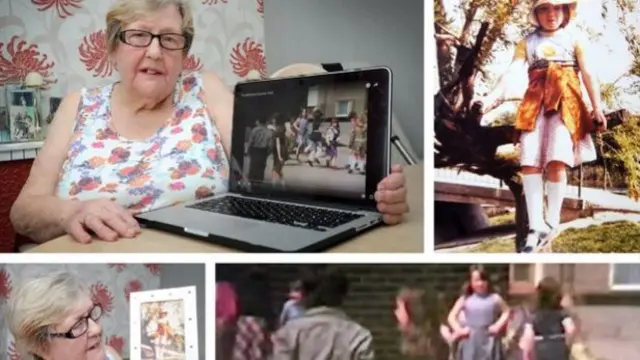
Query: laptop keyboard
x=286, y=214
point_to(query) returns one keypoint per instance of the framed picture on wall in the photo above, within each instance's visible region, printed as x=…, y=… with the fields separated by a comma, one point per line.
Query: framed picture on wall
x=23, y=113
x=164, y=324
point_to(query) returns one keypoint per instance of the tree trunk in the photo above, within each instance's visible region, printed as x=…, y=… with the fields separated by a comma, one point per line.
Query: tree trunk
x=522, y=217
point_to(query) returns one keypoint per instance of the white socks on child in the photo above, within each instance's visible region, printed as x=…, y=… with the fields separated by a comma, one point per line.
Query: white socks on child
x=555, y=197
x=533, y=187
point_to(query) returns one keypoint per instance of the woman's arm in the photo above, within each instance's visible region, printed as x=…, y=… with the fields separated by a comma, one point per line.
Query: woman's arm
x=278, y=148
x=587, y=72
x=37, y=213
x=219, y=102
x=504, y=313
x=527, y=341
x=453, y=314
x=517, y=66
x=569, y=328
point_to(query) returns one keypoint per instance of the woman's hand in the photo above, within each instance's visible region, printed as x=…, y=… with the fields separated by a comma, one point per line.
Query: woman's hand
x=601, y=120
x=461, y=333
x=494, y=329
x=107, y=220
x=392, y=196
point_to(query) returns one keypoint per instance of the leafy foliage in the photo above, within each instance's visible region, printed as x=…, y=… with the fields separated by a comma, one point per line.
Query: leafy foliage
x=622, y=147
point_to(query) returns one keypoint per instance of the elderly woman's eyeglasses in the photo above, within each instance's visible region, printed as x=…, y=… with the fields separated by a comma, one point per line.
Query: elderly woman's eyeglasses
x=141, y=38
x=82, y=326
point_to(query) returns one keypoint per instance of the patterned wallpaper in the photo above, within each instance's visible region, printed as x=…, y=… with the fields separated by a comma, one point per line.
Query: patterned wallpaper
x=110, y=284
x=64, y=41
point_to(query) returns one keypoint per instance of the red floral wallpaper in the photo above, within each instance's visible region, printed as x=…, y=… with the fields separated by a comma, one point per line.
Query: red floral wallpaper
x=110, y=286
x=64, y=41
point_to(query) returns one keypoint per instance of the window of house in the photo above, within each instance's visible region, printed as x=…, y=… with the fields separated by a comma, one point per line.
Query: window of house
x=625, y=277
x=522, y=278
x=313, y=97
x=343, y=107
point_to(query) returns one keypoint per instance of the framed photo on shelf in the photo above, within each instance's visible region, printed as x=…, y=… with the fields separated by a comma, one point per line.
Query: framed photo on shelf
x=5, y=133
x=164, y=324
x=54, y=103
x=23, y=113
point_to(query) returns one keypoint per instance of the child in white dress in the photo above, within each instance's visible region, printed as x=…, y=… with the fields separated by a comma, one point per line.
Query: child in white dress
x=554, y=122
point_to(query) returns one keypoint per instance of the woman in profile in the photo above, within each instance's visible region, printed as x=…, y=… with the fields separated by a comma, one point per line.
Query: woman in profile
x=53, y=317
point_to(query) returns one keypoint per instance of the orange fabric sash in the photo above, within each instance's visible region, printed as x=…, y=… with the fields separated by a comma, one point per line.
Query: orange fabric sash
x=557, y=88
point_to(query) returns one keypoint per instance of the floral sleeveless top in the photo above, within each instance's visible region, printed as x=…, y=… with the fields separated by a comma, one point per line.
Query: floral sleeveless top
x=183, y=161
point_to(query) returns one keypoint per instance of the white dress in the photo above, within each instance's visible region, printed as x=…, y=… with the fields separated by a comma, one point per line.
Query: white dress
x=550, y=140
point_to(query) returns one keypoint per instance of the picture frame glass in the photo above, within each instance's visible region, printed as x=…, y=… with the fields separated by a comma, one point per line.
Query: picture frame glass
x=162, y=330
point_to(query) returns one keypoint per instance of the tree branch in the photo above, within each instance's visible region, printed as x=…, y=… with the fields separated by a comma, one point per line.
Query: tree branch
x=500, y=103
x=447, y=38
x=443, y=28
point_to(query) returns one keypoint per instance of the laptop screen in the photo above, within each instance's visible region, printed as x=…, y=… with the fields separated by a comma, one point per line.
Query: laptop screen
x=323, y=136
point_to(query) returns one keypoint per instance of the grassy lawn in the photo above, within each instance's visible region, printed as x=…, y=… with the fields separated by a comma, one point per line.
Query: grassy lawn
x=501, y=244
x=612, y=237
x=504, y=219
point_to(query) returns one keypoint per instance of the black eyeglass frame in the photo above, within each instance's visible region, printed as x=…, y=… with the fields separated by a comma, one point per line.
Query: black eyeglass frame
x=123, y=38
x=69, y=334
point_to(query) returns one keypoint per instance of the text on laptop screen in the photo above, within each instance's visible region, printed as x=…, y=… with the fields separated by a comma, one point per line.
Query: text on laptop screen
x=304, y=136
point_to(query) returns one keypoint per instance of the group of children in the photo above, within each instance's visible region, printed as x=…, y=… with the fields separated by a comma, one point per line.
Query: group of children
x=304, y=136
x=481, y=326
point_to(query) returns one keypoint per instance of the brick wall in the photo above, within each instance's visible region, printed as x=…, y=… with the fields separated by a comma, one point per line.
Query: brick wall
x=373, y=290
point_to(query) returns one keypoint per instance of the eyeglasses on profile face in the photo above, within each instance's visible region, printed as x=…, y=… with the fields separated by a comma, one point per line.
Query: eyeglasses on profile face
x=82, y=326
x=142, y=38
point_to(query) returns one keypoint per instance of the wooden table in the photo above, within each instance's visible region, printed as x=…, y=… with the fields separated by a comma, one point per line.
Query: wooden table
x=407, y=237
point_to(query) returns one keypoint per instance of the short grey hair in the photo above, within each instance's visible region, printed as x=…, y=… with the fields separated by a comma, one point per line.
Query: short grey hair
x=38, y=303
x=124, y=12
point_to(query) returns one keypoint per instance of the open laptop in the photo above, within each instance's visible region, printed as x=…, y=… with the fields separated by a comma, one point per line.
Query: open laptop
x=314, y=205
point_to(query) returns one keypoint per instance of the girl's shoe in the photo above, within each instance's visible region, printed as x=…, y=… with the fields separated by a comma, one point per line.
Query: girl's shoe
x=535, y=240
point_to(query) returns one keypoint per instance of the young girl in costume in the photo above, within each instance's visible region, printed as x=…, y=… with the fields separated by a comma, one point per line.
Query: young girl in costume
x=554, y=122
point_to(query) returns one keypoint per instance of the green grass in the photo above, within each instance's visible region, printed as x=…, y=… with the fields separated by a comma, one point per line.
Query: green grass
x=612, y=237
x=504, y=219
x=495, y=245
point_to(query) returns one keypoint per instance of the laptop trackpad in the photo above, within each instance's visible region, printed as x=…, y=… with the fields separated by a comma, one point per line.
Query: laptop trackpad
x=216, y=223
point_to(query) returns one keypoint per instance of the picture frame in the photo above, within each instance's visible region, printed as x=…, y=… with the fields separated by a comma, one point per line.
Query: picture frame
x=164, y=322
x=54, y=103
x=5, y=133
x=23, y=111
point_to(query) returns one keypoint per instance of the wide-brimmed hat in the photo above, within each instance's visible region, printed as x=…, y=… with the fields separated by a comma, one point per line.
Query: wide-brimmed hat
x=573, y=5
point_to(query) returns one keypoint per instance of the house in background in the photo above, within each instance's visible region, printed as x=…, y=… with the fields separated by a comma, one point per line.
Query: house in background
x=607, y=301
x=338, y=100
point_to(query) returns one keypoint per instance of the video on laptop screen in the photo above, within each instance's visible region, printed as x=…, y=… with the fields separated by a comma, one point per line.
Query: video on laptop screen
x=302, y=137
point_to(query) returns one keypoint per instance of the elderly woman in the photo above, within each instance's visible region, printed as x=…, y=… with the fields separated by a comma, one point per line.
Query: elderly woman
x=53, y=318
x=155, y=138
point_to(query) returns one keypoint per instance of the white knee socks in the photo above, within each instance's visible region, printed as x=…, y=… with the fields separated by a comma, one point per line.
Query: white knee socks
x=555, y=197
x=533, y=187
